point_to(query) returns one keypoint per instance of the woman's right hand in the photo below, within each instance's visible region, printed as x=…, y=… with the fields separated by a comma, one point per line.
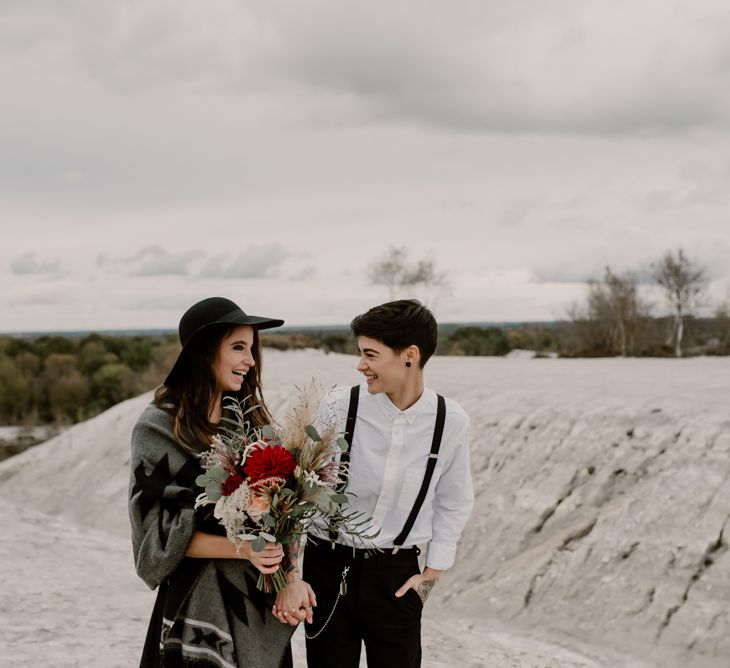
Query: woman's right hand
x=268, y=560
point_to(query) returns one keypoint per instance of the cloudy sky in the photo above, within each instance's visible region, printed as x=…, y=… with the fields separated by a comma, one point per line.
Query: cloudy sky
x=154, y=152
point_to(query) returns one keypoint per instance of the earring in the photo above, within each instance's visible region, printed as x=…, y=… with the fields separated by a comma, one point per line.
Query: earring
x=408, y=364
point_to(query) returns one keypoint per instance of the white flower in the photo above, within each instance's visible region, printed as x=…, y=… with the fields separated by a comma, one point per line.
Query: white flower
x=219, y=508
x=312, y=478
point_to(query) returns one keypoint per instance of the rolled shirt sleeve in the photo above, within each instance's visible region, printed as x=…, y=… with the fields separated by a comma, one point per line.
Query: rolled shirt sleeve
x=453, y=499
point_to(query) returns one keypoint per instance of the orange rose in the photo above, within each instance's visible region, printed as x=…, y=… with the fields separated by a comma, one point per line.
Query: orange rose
x=257, y=505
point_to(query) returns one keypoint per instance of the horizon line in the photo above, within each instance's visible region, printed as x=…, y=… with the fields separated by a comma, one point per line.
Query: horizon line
x=165, y=330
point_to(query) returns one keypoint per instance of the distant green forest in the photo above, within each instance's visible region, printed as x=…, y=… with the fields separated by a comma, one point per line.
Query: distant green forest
x=63, y=379
x=66, y=379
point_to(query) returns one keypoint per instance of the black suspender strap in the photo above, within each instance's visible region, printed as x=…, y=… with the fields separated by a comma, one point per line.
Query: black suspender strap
x=430, y=466
x=349, y=432
x=350, y=423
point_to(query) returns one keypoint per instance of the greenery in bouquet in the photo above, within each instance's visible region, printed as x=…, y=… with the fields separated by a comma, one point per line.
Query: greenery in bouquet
x=276, y=483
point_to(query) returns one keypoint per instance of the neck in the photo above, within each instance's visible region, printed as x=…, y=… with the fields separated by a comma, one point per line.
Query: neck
x=409, y=393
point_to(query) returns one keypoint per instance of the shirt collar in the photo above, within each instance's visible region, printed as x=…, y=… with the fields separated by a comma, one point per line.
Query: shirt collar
x=426, y=404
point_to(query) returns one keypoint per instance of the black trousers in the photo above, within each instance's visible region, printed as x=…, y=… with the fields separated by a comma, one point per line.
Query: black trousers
x=390, y=627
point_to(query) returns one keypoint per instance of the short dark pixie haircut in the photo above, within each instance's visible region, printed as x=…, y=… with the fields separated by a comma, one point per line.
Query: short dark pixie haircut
x=400, y=324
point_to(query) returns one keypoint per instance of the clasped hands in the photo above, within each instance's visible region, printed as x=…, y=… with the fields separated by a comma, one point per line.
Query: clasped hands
x=296, y=602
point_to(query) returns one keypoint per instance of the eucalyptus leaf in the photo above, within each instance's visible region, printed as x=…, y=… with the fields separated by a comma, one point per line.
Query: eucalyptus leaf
x=267, y=432
x=213, y=491
x=236, y=423
x=217, y=473
x=234, y=402
x=312, y=433
x=267, y=537
x=343, y=444
x=258, y=544
x=338, y=498
x=201, y=480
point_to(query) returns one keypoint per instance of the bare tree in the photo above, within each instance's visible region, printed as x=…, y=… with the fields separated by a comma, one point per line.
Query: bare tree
x=403, y=278
x=682, y=281
x=722, y=323
x=617, y=302
x=612, y=318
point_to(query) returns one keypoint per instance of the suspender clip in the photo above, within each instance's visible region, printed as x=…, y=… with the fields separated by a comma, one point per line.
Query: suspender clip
x=395, y=549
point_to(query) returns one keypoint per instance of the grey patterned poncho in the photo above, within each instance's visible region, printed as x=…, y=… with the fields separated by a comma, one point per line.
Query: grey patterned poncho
x=208, y=612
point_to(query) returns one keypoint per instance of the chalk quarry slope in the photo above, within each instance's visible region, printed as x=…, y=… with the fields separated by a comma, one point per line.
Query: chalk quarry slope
x=602, y=494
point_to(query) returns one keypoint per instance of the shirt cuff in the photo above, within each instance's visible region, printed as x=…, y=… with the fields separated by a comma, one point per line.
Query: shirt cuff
x=440, y=556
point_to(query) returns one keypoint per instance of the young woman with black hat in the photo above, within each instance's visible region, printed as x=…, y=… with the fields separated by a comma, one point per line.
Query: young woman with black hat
x=208, y=611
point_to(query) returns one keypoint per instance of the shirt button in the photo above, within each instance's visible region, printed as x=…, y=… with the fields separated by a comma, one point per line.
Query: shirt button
x=366, y=556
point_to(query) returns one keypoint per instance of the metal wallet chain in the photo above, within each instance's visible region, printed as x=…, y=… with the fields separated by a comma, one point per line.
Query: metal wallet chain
x=342, y=592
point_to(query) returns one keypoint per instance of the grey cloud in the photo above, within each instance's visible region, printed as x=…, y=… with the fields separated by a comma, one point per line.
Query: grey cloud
x=703, y=185
x=477, y=66
x=29, y=263
x=257, y=261
x=581, y=266
x=518, y=211
x=520, y=69
x=152, y=261
x=304, y=274
x=563, y=274
x=42, y=297
x=155, y=261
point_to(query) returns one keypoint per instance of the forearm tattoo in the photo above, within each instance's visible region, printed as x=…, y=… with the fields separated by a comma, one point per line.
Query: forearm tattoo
x=424, y=589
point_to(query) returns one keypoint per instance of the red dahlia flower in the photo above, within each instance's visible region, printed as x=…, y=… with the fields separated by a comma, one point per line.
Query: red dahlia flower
x=231, y=484
x=272, y=461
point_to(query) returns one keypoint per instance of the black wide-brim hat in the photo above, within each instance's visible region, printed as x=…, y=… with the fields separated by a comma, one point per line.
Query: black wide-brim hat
x=208, y=313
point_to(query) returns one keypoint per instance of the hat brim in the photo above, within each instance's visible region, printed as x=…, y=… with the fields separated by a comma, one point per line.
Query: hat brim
x=255, y=321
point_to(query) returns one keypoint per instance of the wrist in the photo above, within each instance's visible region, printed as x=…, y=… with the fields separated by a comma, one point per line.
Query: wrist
x=293, y=576
x=244, y=550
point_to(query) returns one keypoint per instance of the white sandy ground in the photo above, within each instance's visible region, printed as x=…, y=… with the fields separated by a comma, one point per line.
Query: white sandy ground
x=69, y=597
x=599, y=532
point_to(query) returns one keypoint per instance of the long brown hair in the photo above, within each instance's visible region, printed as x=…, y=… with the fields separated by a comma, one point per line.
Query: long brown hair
x=192, y=397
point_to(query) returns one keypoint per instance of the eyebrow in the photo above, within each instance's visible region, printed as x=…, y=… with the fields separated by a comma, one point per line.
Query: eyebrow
x=245, y=343
x=370, y=350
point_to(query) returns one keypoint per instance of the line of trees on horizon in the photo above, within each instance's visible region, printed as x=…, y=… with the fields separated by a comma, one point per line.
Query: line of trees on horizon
x=57, y=379
x=62, y=380
x=617, y=316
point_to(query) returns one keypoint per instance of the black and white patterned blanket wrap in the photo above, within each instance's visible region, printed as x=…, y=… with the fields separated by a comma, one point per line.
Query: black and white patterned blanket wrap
x=208, y=612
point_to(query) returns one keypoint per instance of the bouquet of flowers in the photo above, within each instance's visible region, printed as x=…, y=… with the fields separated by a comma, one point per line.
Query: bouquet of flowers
x=275, y=484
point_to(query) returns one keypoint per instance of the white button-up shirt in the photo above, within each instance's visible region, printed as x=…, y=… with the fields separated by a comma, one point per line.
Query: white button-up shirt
x=388, y=460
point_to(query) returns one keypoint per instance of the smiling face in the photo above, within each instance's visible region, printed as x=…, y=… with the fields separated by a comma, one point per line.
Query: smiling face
x=234, y=359
x=384, y=368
